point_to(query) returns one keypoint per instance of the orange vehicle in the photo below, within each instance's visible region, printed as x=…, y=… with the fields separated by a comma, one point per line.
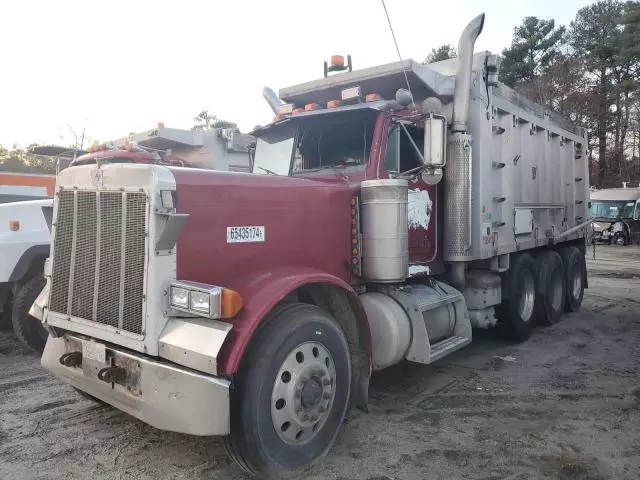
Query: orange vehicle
x=15, y=187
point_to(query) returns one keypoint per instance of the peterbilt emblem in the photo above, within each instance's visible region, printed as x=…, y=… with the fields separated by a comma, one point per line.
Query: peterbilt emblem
x=96, y=178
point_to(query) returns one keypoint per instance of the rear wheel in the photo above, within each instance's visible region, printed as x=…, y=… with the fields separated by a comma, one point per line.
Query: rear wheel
x=28, y=329
x=551, y=289
x=516, y=312
x=575, y=278
x=291, y=393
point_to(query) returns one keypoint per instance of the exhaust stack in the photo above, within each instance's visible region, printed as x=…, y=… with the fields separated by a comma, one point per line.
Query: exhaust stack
x=458, y=174
x=463, y=73
x=272, y=99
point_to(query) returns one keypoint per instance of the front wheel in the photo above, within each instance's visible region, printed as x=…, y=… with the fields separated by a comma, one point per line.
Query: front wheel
x=291, y=393
x=28, y=329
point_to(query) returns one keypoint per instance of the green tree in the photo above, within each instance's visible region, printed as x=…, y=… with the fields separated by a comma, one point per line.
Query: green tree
x=536, y=44
x=443, y=52
x=596, y=37
x=205, y=120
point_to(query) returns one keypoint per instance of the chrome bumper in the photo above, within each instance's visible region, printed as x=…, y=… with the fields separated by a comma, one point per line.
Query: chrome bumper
x=161, y=394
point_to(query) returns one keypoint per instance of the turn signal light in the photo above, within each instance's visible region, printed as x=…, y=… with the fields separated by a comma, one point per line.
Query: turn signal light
x=231, y=303
x=14, y=225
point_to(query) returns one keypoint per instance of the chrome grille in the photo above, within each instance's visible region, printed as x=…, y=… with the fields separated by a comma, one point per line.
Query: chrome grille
x=99, y=257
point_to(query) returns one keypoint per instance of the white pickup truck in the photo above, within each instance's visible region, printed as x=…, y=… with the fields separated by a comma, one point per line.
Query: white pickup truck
x=24, y=243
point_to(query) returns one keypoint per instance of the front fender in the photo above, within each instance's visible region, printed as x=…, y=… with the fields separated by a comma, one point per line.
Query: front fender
x=261, y=293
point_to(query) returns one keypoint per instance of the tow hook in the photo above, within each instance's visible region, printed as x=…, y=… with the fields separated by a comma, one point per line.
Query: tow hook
x=112, y=375
x=71, y=359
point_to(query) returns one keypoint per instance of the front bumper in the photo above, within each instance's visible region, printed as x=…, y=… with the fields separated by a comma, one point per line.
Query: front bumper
x=159, y=393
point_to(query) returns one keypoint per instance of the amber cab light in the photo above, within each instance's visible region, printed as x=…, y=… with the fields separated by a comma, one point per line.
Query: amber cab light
x=297, y=111
x=231, y=303
x=311, y=106
x=333, y=103
x=337, y=61
x=373, y=97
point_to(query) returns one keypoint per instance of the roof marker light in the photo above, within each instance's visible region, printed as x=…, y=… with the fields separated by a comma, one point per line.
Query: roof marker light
x=311, y=106
x=351, y=94
x=333, y=103
x=297, y=111
x=286, y=109
x=373, y=97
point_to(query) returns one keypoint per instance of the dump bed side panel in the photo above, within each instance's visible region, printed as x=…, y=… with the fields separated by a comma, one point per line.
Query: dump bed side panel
x=530, y=173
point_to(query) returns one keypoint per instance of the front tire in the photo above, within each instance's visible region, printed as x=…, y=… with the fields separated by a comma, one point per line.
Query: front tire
x=28, y=329
x=516, y=312
x=291, y=392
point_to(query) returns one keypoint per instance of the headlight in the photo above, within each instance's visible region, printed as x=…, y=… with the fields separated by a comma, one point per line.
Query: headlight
x=200, y=301
x=204, y=300
x=179, y=297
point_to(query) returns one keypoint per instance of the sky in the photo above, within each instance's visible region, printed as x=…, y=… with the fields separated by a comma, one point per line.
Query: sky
x=114, y=67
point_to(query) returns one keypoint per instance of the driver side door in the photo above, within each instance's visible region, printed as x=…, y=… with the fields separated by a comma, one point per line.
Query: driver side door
x=400, y=157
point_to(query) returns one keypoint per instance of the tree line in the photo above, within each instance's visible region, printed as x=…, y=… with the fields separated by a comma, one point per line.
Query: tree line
x=588, y=71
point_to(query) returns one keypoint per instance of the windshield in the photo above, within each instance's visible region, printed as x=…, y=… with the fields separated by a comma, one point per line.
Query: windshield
x=612, y=209
x=273, y=151
x=335, y=142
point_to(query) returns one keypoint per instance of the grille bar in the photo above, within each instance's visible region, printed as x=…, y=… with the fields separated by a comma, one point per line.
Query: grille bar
x=96, y=280
x=99, y=257
x=123, y=257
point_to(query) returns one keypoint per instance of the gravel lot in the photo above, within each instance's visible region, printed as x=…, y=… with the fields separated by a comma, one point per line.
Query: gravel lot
x=564, y=405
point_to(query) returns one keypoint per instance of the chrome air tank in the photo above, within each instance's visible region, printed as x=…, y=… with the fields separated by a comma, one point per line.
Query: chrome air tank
x=385, y=242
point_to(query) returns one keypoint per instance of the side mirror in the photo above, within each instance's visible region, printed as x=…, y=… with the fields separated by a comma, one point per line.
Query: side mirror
x=435, y=148
x=435, y=141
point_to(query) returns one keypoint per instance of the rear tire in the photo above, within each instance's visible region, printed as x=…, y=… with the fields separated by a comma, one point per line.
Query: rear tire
x=551, y=289
x=516, y=312
x=291, y=392
x=575, y=278
x=28, y=329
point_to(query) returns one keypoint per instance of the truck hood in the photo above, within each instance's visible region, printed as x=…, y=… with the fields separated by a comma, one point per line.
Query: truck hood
x=306, y=223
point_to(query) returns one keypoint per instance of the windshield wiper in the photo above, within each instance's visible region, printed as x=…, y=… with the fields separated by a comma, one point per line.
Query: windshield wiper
x=270, y=172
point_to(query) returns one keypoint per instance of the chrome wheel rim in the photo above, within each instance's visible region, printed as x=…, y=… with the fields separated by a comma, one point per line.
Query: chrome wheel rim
x=527, y=296
x=303, y=393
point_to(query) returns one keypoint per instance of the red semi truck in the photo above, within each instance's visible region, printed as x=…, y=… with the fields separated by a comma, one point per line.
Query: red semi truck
x=378, y=225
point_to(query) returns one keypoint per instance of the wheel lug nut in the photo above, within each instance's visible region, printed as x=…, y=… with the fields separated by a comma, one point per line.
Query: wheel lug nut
x=326, y=381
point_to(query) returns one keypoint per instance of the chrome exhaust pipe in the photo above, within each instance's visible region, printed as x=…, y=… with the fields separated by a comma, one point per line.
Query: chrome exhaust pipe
x=464, y=65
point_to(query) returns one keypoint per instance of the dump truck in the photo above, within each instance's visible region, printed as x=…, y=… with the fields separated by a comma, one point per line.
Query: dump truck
x=390, y=211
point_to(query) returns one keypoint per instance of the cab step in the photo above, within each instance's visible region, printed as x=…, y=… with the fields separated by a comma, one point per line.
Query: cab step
x=447, y=346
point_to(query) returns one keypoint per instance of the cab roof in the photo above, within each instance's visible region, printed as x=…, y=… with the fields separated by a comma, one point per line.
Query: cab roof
x=629, y=194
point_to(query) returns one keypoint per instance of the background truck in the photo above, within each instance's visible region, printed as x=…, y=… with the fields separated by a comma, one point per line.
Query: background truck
x=25, y=211
x=616, y=215
x=25, y=226
x=380, y=225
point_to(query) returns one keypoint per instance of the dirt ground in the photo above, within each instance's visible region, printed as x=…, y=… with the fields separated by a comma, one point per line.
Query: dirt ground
x=564, y=405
